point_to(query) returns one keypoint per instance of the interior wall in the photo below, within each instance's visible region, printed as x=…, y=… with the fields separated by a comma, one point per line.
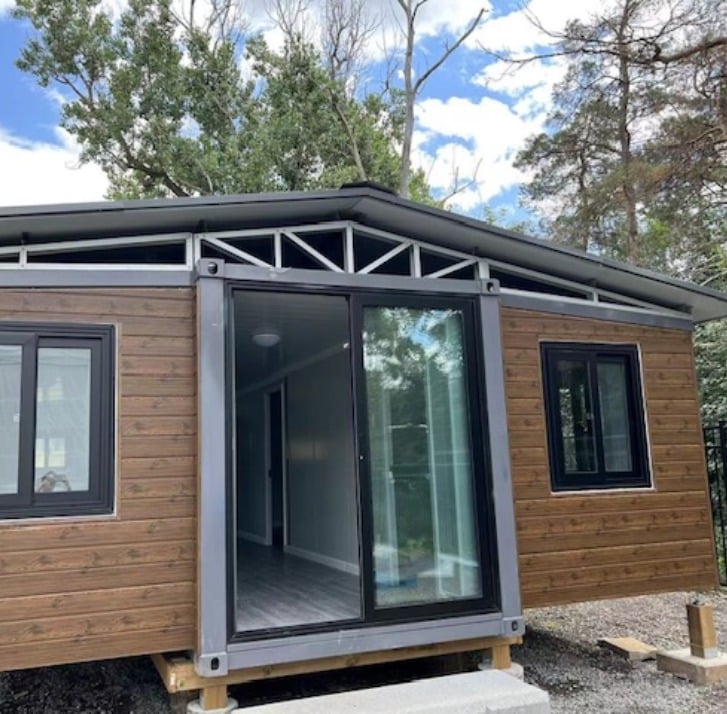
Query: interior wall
x=251, y=466
x=322, y=504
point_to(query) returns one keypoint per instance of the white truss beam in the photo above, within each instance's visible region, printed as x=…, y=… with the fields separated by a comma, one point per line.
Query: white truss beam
x=313, y=252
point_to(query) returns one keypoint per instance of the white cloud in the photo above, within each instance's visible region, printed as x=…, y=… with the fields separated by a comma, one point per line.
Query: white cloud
x=481, y=138
x=6, y=5
x=46, y=173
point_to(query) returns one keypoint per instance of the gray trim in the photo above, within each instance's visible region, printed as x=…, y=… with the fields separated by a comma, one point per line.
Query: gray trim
x=598, y=311
x=363, y=639
x=211, y=494
x=327, y=279
x=499, y=449
x=371, y=207
x=94, y=277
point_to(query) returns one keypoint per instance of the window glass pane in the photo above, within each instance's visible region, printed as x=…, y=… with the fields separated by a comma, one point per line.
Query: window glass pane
x=63, y=419
x=615, y=418
x=576, y=416
x=10, y=369
x=425, y=547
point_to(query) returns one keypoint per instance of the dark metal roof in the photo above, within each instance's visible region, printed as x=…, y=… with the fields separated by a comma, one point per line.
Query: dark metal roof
x=368, y=206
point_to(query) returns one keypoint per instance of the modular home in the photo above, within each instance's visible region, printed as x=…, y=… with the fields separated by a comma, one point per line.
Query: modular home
x=305, y=430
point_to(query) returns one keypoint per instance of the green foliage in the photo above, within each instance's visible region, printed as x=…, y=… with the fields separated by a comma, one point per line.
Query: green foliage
x=632, y=164
x=161, y=104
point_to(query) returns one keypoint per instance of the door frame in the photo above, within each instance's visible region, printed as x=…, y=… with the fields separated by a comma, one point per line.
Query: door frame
x=269, y=391
x=216, y=651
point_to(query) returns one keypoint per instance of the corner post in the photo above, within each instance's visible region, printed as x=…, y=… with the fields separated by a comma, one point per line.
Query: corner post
x=210, y=657
x=499, y=448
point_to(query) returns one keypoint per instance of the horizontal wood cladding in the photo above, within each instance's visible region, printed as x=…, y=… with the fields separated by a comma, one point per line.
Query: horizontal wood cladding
x=73, y=590
x=585, y=546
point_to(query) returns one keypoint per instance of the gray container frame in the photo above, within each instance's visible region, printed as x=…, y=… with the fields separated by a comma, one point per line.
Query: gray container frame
x=216, y=655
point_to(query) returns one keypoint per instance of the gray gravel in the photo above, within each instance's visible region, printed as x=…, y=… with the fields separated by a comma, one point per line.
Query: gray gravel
x=559, y=654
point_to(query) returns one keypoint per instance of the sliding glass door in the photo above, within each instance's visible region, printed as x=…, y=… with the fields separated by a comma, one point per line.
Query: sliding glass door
x=425, y=479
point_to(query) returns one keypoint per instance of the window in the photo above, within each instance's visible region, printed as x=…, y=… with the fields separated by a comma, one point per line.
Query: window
x=56, y=420
x=595, y=416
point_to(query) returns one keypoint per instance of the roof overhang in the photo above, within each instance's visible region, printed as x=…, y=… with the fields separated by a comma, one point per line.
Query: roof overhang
x=369, y=207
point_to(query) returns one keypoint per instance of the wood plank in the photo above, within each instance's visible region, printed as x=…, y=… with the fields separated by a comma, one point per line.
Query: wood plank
x=518, y=406
x=629, y=648
x=602, y=574
x=159, y=487
x=150, y=508
x=609, y=502
x=657, y=339
x=158, y=406
x=98, y=556
x=90, y=303
x=613, y=555
x=176, y=366
x=154, y=345
x=50, y=536
x=94, y=601
x=83, y=579
x=158, y=426
x=555, y=542
x=95, y=647
x=527, y=438
x=670, y=583
x=603, y=524
x=158, y=467
x=144, y=446
x=179, y=675
x=159, y=386
x=70, y=627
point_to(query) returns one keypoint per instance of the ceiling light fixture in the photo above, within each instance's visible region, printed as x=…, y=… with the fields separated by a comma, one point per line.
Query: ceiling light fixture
x=266, y=337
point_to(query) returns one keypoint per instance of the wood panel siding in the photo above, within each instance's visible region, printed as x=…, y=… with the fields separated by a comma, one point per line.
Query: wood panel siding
x=589, y=545
x=85, y=589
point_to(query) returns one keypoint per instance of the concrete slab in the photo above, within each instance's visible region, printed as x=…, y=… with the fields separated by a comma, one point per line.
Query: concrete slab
x=696, y=669
x=629, y=648
x=196, y=707
x=487, y=692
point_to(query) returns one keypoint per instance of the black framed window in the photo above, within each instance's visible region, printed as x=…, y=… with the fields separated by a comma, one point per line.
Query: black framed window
x=595, y=416
x=56, y=420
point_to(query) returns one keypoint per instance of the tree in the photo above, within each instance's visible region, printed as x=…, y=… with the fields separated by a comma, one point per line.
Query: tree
x=629, y=127
x=413, y=84
x=158, y=99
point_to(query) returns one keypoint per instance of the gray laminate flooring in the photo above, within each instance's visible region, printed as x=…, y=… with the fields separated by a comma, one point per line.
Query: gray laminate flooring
x=276, y=589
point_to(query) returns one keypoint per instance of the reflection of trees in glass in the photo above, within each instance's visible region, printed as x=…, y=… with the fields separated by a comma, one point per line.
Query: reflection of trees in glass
x=424, y=538
x=398, y=343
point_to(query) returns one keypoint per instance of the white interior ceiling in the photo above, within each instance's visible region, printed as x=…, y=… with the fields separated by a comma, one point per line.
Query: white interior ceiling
x=308, y=325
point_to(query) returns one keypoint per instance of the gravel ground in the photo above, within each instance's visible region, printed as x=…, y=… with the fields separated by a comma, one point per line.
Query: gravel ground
x=559, y=654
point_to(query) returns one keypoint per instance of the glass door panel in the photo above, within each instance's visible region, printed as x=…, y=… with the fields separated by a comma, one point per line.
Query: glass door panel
x=424, y=546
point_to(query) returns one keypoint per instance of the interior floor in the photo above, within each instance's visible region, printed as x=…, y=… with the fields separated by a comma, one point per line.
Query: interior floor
x=276, y=589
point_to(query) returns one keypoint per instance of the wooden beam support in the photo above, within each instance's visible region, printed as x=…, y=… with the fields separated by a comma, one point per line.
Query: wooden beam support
x=178, y=673
x=501, y=656
x=702, y=635
x=213, y=697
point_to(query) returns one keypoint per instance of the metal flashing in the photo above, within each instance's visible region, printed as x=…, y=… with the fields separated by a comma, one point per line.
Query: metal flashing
x=600, y=311
x=375, y=210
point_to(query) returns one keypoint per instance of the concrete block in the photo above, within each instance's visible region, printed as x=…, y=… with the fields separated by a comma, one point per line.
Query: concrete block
x=195, y=707
x=486, y=692
x=514, y=670
x=696, y=669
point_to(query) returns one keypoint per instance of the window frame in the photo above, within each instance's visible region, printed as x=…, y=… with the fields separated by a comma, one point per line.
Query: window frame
x=98, y=499
x=639, y=476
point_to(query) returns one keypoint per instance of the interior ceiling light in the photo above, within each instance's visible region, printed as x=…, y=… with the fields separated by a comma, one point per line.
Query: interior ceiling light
x=266, y=337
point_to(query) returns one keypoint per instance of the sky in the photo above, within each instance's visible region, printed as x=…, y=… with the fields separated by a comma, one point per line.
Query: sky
x=471, y=119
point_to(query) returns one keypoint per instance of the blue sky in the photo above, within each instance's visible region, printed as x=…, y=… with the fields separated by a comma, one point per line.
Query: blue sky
x=470, y=119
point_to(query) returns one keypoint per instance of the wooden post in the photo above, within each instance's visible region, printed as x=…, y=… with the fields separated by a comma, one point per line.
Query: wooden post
x=212, y=698
x=702, y=635
x=501, y=657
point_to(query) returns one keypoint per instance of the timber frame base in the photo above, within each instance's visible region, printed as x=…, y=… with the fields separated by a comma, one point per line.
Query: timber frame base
x=178, y=673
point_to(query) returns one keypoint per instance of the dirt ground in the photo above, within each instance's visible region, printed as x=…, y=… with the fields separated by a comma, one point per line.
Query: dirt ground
x=559, y=654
